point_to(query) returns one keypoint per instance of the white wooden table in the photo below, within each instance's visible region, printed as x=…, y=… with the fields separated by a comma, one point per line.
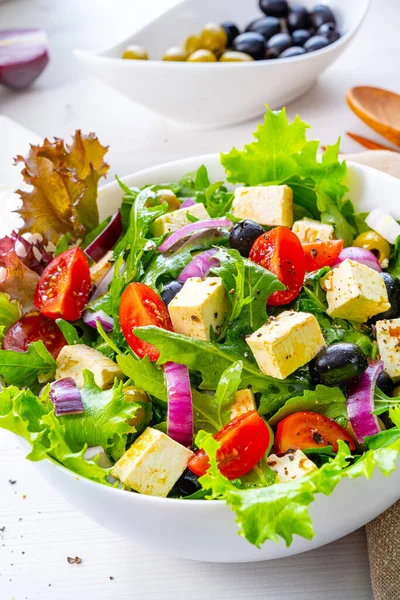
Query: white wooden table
x=41, y=529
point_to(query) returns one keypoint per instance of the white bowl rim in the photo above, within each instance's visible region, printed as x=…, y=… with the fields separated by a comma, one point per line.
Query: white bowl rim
x=256, y=64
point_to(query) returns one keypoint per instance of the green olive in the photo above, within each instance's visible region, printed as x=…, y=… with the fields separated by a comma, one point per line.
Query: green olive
x=214, y=38
x=164, y=195
x=175, y=54
x=135, y=52
x=192, y=44
x=232, y=56
x=375, y=243
x=396, y=392
x=202, y=56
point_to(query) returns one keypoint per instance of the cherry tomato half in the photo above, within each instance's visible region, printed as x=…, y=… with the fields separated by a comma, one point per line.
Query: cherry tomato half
x=64, y=286
x=280, y=251
x=321, y=254
x=309, y=430
x=140, y=306
x=244, y=441
x=31, y=329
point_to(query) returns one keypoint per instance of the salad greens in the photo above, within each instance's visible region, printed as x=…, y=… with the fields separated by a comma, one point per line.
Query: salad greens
x=61, y=209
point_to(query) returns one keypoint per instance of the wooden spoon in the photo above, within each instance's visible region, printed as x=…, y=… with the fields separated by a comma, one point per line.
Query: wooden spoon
x=378, y=108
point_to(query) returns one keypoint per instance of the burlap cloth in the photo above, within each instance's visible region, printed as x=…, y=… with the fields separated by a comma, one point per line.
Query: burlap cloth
x=383, y=534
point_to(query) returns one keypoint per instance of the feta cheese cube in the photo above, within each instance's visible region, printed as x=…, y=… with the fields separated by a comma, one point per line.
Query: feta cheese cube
x=355, y=292
x=388, y=338
x=286, y=343
x=267, y=205
x=73, y=360
x=100, y=269
x=308, y=230
x=153, y=463
x=199, y=305
x=172, y=221
x=244, y=402
x=294, y=465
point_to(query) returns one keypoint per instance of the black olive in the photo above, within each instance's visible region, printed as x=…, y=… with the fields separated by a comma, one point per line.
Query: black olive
x=267, y=26
x=385, y=383
x=329, y=31
x=243, y=235
x=188, y=483
x=321, y=14
x=316, y=43
x=275, y=8
x=293, y=51
x=170, y=291
x=251, y=43
x=231, y=30
x=300, y=37
x=298, y=18
x=393, y=291
x=277, y=44
x=338, y=364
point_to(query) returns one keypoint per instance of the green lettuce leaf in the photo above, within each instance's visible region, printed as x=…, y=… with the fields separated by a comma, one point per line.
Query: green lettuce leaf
x=144, y=374
x=23, y=368
x=326, y=401
x=215, y=196
x=10, y=311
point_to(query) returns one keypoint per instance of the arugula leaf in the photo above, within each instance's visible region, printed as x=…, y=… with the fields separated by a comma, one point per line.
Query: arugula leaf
x=10, y=311
x=145, y=375
x=69, y=332
x=62, y=244
x=383, y=403
x=215, y=196
x=382, y=439
x=394, y=263
x=326, y=401
x=260, y=476
x=23, y=368
x=281, y=154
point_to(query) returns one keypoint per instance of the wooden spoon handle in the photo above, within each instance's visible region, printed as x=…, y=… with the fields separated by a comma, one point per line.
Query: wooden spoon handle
x=366, y=143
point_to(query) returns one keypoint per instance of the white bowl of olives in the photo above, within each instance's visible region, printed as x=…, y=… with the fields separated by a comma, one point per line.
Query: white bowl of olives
x=212, y=64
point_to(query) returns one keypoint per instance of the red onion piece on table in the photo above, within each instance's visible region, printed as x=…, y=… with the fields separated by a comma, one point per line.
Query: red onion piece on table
x=91, y=317
x=360, y=402
x=188, y=202
x=360, y=255
x=24, y=53
x=200, y=266
x=66, y=397
x=107, y=239
x=188, y=229
x=180, y=406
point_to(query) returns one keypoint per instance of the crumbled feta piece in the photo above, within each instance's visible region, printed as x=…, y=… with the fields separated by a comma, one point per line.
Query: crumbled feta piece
x=308, y=230
x=172, y=221
x=100, y=269
x=244, y=402
x=388, y=338
x=293, y=465
x=286, y=343
x=73, y=360
x=355, y=292
x=268, y=205
x=198, y=306
x=153, y=463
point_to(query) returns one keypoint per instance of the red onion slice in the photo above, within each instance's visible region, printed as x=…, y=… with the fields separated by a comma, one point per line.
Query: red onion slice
x=107, y=239
x=360, y=402
x=66, y=397
x=188, y=202
x=200, y=266
x=91, y=317
x=186, y=230
x=360, y=255
x=180, y=406
x=24, y=54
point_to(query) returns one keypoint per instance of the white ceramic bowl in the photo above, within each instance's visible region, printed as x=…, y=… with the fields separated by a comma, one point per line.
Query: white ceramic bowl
x=215, y=95
x=205, y=530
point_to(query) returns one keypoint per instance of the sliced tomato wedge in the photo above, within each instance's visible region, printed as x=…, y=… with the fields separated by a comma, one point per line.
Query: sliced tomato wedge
x=32, y=329
x=321, y=254
x=281, y=252
x=304, y=430
x=140, y=306
x=64, y=286
x=244, y=441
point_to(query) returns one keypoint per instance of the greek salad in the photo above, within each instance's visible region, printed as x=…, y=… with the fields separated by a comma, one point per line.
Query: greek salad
x=210, y=340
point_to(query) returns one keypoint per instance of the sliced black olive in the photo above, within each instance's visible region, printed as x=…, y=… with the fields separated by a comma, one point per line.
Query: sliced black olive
x=329, y=31
x=278, y=44
x=293, y=51
x=231, y=30
x=170, y=291
x=267, y=26
x=316, y=43
x=393, y=291
x=321, y=14
x=243, y=235
x=298, y=18
x=385, y=383
x=275, y=8
x=300, y=37
x=251, y=43
x=188, y=483
x=338, y=364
